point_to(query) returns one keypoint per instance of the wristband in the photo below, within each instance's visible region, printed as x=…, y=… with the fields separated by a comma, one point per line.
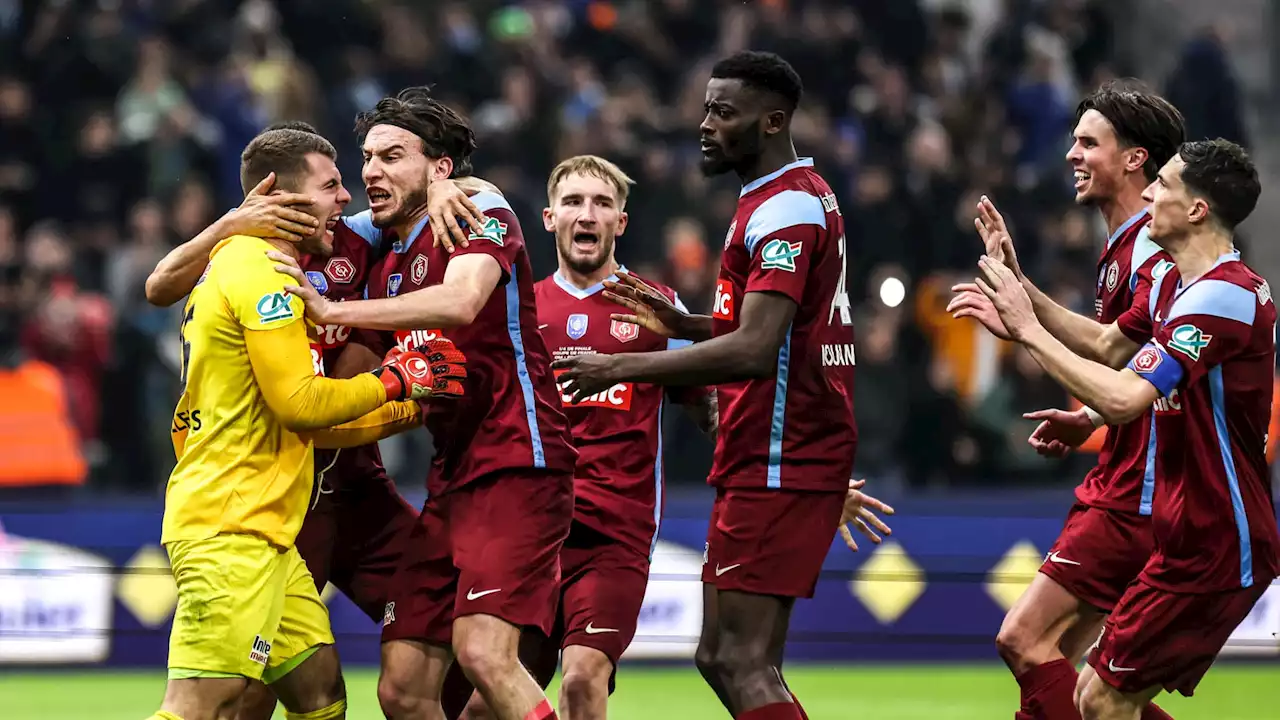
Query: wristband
x=1095, y=417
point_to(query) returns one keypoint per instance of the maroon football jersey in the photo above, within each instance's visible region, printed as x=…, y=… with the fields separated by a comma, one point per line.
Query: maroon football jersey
x=618, y=481
x=1124, y=477
x=510, y=416
x=341, y=276
x=1212, y=357
x=794, y=429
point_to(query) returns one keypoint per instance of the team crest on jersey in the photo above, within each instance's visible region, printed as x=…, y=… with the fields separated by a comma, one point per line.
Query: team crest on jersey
x=418, y=270
x=576, y=326
x=728, y=238
x=493, y=230
x=778, y=254
x=318, y=281
x=1189, y=340
x=1113, y=276
x=1147, y=360
x=341, y=270
x=393, y=284
x=1160, y=269
x=624, y=331
x=1264, y=293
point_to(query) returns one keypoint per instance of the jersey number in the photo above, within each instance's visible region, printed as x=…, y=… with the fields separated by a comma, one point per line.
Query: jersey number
x=186, y=344
x=840, y=301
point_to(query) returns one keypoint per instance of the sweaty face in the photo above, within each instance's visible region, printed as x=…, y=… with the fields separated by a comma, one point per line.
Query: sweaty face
x=731, y=132
x=1097, y=159
x=1172, y=207
x=586, y=217
x=396, y=172
x=323, y=183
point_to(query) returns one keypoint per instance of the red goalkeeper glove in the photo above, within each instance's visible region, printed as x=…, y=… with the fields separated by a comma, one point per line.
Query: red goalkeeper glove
x=436, y=369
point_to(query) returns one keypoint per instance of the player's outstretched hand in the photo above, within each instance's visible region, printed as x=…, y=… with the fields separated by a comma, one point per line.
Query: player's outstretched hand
x=1059, y=431
x=447, y=203
x=272, y=216
x=318, y=306
x=582, y=376
x=858, y=508
x=970, y=302
x=647, y=307
x=434, y=370
x=996, y=240
x=1008, y=296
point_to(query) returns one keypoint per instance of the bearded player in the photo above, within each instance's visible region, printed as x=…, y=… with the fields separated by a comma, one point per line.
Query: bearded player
x=1123, y=136
x=1205, y=371
x=484, y=560
x=357, y=520
x=779, y=346
x=243, y=431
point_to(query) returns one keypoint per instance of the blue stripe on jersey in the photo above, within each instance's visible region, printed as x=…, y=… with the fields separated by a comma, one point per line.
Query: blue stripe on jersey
x=1218, y=396
x=362, y=224
x=760, y=181
x=1165, y=375
x=1216, y=298
x=657, y=485
x=1154, y=300
x=486, y=201
x=786, y=209
x=1149, y=472
x=1143, y=248
x=522, y=367
x=1127, y=224
x=673, y=343
x=778, y=424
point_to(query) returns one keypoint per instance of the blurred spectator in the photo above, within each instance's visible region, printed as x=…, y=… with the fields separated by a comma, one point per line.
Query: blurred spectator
x=1204, y=87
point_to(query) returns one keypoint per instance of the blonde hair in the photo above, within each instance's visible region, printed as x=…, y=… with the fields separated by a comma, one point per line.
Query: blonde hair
x=593, y=165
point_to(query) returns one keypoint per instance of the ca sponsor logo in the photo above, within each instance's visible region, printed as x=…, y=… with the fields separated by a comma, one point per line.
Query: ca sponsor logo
x=778, y=254
x=274, y=306
x=1160, y=268
x=1189, y=340
x=493, y=230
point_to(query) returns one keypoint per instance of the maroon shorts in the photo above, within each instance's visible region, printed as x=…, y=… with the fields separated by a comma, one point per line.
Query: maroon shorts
x=489, y=548
x=770, y=542
x=601, y=591
x=353, y=538
x=1155, y=637
x=1098, y=553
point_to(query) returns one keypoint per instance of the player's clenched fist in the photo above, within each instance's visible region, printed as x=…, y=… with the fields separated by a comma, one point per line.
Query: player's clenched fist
x=434, y=370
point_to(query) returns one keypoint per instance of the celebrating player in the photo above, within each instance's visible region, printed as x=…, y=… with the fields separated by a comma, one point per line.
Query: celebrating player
x=618, y=481
x=780, y=347
x=1205, y=372
x=1123, y=136
x=247, y=606
x=484, y=559
x=357, y=521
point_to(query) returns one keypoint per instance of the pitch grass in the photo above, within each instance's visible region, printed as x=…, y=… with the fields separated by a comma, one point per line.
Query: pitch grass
x=903, y=692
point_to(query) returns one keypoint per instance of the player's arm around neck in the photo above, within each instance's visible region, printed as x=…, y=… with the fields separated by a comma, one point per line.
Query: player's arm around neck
x=468, y=283
x=301, y=400
x=1119, y=396
x=750, y=351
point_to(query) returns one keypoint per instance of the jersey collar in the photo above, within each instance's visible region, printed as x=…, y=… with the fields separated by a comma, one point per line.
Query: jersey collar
x=1125, y=227
x=1229, y=256
x=760, y=181
x=401, y=247
x=578, y=292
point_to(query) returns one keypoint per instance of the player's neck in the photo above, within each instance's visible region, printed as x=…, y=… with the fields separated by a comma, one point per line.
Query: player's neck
x=583, y=281
x=771, y=159
x=404, y=230
x=1196, y=254
x=1117, y=211
x=286, y=247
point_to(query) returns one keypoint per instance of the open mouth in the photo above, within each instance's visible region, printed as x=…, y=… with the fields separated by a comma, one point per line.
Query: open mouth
x=708, y=147
x=378, y=197
x=330, y=225
x=1082, y=179
x=585, y=242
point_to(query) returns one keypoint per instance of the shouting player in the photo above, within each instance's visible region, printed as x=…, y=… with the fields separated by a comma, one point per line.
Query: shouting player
x=1205, y=372
x=247, y=606
x=618, y=481
x=484, y=560
x=779, y=345
x=357, y=520
x=1123, y=136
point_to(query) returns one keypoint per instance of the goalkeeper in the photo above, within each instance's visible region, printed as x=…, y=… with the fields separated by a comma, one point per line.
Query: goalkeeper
x=243, y=432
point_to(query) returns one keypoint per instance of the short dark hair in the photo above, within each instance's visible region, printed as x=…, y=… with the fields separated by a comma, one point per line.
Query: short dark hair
x=443, y=131
x=292, y=125
x=283, y=152
x=1220, y=172
x=1141, y=118
x=763, y=71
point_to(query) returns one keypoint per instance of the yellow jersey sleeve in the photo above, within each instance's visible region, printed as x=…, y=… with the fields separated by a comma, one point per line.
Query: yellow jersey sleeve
x=388, y=420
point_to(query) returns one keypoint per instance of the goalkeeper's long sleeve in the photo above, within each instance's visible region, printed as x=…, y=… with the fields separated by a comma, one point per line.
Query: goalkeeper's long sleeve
x=302, y=401
x=388, y=420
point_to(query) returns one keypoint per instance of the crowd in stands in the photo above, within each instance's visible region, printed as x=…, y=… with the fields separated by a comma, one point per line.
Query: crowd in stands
x=121, y=125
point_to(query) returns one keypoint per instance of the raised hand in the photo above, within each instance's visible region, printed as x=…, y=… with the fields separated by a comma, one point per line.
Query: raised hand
x=278, y=216
x=647, y=307
x=1008, y=296
x=857, y=511
x=996, y=240
x=970, y=302
x=447, y=202
x=1059, y=431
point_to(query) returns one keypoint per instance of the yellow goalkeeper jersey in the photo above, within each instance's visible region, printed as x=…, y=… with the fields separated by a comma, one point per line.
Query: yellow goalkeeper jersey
x=247, y=371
